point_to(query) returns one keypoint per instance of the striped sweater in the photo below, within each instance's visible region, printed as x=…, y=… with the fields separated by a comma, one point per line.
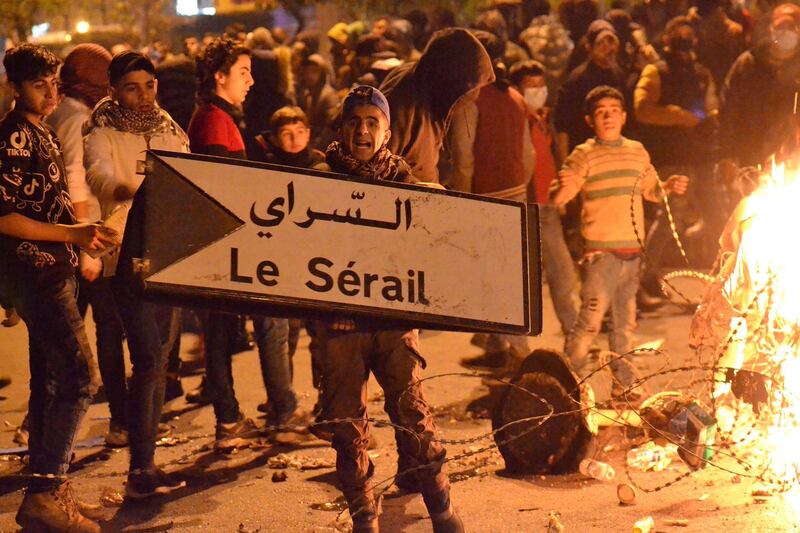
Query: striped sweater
x=605, y=173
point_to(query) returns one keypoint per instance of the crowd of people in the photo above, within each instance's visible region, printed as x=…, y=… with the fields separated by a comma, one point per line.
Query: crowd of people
x=585, y=112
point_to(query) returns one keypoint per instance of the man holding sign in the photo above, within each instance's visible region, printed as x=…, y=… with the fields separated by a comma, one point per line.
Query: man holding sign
x=352, y=350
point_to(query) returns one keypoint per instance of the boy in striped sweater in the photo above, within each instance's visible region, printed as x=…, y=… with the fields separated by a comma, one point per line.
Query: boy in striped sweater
x=612, y=174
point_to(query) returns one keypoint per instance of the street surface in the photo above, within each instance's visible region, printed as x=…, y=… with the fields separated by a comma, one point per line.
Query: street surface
x=237, y=493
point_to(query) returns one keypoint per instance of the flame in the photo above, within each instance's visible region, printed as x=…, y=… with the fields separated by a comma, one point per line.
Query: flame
x=764, y=286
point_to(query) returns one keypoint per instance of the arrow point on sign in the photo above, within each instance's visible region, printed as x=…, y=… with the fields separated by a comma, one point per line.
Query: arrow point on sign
x=178, y=219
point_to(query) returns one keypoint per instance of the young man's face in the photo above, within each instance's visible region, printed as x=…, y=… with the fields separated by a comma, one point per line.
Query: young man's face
x=604, y=51
x=531, y=82
x=191, y=46
x=607, y=119
x=234, y=86
x=311, y=75
x=365, y=131
x=136, y=91
x=293, y=138
x=38, y=96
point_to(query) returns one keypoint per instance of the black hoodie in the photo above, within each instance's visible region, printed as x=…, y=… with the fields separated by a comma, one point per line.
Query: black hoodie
x=422, y=93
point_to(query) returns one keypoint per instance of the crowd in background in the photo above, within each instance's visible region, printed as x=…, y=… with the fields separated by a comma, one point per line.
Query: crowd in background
x=513, y=107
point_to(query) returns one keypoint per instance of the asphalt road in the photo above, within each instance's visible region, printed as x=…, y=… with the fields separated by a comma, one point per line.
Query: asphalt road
x=237, y=493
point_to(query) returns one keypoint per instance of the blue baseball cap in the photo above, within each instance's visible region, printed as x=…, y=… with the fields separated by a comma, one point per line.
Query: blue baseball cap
x=365, y=95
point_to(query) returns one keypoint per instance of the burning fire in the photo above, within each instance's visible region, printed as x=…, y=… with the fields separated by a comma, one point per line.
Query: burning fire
x=760, y=283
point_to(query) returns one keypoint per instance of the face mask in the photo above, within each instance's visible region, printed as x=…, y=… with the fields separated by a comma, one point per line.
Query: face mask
x=536, y=97
x=786, y=40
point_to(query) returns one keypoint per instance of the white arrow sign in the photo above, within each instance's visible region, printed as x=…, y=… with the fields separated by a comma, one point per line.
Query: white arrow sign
x=394, y=250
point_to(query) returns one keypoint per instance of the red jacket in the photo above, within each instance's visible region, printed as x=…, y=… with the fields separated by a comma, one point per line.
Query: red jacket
x=499, y=143
x=546, y=171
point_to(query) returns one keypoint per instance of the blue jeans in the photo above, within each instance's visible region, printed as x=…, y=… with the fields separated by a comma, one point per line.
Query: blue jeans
x=558, y=267
x=152, y=330
x=608, y=282
x=61, y=381
x=272, y=339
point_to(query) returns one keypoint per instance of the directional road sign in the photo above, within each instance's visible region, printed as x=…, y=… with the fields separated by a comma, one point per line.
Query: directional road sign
x=271, y=239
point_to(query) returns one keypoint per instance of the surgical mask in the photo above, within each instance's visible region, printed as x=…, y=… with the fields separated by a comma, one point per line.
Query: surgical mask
x=786, y=40
x=536, y=97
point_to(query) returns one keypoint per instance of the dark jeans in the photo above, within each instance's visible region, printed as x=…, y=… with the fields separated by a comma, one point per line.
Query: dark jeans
x=110, y=356
x=271, y=338
x=61, y=381
x=151, y=330
x=393, y=357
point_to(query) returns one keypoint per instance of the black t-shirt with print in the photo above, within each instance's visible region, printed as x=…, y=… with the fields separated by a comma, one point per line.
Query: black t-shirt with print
x=33, y=184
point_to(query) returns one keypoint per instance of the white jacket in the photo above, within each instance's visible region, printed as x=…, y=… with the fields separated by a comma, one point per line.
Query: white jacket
x=67, y=120
x=110, y=158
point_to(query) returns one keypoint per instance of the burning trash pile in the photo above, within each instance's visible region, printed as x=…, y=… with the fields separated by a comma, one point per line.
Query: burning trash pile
x=747, y=334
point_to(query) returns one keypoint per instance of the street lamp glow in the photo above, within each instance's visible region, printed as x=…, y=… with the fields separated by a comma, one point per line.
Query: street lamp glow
x=82, y=27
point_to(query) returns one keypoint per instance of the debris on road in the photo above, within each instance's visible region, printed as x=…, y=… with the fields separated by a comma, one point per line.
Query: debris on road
x=170, y=441
x=110, y=497
x=626, y=494
x=298, y=462
x=597, y=470
x=278, y=477
x=645, y=525
x=676, y=522
x=554, y=524
x=338, y=505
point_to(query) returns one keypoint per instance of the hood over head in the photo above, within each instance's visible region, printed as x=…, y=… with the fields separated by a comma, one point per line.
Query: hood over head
x=453, y=63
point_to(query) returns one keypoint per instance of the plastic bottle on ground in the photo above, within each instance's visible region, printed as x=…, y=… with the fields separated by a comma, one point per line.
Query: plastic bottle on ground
x=597, y=470
x=651, y=456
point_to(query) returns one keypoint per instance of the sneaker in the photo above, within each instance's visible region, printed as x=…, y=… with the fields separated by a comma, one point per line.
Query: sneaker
x=321, y=430
x=293, y=429
x=173, y=388
x=164, y=430
x=54, y=511
x=235, y=435
x=296, y=421
x=150, y=482
x=447, y=522
x=117, y=436
x=199, y=395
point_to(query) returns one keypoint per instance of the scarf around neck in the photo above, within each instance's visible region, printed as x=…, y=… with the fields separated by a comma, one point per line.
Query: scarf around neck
x=383, y=166
x=110, y=114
